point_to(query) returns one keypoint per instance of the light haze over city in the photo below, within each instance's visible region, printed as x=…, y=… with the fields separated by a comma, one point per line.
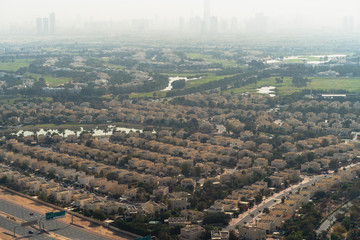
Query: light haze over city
x=19, y=16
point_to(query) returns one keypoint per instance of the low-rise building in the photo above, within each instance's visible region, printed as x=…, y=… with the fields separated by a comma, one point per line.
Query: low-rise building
x=62, y=195
x=188, y=183
x=192, y=232
x=278, y=163
x=152, y=207
x=252, y=233
x=314, y=166
x=180, y=203
x=267, y=225
x=219, y=235
x=177, y=221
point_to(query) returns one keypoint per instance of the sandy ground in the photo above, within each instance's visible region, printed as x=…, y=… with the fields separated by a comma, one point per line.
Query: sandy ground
x=41, y=209
x=5, y=234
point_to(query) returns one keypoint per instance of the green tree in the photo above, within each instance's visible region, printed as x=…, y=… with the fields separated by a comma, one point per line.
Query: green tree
x=197, y=171
x=112, y=176
x=217, y=218
x=178, y=84
x=295, y=236
x=266, y=210
x=98, y=214
x=299, y=81
x=186, y=169
x=3, y=180
x=258, y=198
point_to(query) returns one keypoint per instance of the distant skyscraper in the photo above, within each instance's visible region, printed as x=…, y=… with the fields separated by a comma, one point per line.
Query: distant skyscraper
x=207, y=15
x=214, y=26
x=207, y=10
x=52, y=22
x=46, y=25
x=39, y=25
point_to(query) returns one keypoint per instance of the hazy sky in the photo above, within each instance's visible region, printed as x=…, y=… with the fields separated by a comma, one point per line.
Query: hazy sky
x=68, y=11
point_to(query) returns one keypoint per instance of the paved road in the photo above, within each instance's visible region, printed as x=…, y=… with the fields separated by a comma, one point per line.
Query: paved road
x=21, y=231
x=268, y=203
x=57, y=227
x=246, y=218
x=325, y=226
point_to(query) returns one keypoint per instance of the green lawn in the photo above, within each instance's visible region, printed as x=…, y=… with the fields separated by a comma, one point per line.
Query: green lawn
x=9, y=100
x=286, y=88
x=350, y=84
x=189, y=84
x=45, y=125
x=159, y=94
x=12, y=100
x=302, y=59
x=312, y=58
x=205, y=79
x=14, y=66
x=225, y=63
x=182, y=74
x=293, y=61
x=53, y=82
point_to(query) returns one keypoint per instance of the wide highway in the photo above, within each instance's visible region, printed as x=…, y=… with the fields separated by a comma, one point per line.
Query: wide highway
x=54, y=226
x=9, y=225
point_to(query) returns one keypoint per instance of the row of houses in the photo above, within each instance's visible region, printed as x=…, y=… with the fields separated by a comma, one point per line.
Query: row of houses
x=279, y=213
x=81, y=177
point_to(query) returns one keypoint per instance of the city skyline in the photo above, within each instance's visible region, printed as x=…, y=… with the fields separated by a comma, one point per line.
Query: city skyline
x=165, y=15
x=45, y=25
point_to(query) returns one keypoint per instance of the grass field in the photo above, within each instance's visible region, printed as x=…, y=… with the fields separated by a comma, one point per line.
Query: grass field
x=225, y=63
x=14, y=66
x=183, y=74
x=189, y=84
x=53, y=82
x=205, y=79
x=293, y=61
x=9, y=100
x=286, y=88
x=302, y=59
x=349, y=84
x=12, y=100
x=159, y=94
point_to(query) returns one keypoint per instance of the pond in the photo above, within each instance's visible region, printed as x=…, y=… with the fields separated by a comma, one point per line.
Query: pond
x=96, y=132
x=173, y=79
x=267, y=90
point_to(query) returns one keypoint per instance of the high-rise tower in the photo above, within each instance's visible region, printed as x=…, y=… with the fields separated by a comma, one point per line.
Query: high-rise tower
x=207, y=16
x=52, y=22
x=39, y=26
x=46, y=25
x=207, y=12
